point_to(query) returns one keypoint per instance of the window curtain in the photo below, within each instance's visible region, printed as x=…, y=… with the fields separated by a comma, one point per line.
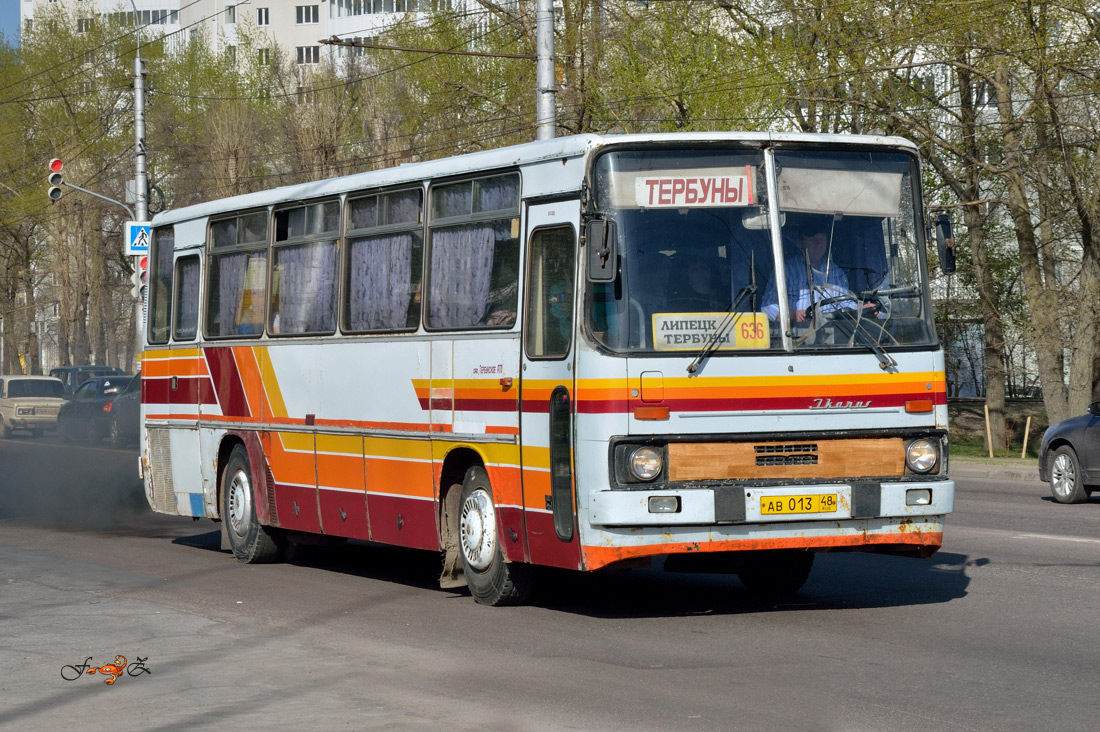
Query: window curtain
x=380, y=282
x=231, y=271
x=187, y=315
x=307, y=288
x=496, y=194
x=462, y=261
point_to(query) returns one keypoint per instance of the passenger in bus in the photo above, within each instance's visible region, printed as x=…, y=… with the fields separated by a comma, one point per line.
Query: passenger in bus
x=828, y=279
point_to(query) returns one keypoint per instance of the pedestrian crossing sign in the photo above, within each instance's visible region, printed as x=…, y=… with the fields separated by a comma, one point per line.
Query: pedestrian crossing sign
x=138, y=234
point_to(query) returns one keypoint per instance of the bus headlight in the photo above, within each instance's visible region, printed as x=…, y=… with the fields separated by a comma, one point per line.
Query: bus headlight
x=921, y=455
x=646, y=463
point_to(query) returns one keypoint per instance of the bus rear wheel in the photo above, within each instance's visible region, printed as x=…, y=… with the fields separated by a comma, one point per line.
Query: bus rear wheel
x=491, y=580
x=250, y=542
x=776, y=574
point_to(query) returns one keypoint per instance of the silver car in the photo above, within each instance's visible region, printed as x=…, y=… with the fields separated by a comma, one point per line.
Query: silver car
x=29, y=403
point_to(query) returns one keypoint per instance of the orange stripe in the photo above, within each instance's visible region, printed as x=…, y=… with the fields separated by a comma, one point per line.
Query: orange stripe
x=596, y=557
x=176, y=367
x=251, y=380
x=400, y=477
x=288, y=467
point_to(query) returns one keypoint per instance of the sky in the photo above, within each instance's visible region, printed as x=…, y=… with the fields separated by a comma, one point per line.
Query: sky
x=9, y=20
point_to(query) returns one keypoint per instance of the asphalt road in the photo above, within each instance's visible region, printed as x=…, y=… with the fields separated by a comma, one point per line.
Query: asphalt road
x=996, y=632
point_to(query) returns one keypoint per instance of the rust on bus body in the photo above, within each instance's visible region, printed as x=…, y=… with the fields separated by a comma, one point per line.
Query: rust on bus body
x=911, y=540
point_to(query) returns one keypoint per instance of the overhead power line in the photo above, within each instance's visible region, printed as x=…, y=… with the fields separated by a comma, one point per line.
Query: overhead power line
x=335, y=41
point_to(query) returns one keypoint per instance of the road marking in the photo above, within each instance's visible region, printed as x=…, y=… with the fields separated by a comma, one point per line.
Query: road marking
x=1078, y=539
x=956, y=528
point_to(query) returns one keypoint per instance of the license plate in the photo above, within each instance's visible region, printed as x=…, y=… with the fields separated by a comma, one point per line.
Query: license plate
x=816, y=503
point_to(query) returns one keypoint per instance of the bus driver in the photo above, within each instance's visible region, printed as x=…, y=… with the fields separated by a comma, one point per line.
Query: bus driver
x=829, y=280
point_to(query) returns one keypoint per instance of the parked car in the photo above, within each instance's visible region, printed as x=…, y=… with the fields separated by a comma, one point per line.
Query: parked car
x=29, y=403
x=1069, y=457
x=124, y=420
x=73, y=376
x=86, y=415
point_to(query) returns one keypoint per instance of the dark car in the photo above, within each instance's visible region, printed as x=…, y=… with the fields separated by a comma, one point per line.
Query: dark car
x=73, y=376
x=1069, y=457
x=86, y=415
x=124, y=419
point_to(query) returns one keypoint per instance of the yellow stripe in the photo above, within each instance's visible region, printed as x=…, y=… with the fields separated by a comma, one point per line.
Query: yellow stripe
x=340, y=444
x=398, y=449
x=271, y=383
x=297, y=441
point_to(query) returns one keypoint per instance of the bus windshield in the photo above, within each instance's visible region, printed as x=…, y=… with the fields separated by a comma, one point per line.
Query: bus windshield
x=696, y=253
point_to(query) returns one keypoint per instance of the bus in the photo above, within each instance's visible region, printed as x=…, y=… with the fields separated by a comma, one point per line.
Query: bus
x=702, y=352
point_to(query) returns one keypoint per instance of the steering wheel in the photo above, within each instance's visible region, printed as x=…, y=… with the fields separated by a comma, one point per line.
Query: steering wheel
x=871, y=305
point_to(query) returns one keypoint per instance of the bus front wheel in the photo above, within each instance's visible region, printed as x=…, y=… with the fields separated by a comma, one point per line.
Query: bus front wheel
x=250, y=542
x=776, y=574
x=491, y=580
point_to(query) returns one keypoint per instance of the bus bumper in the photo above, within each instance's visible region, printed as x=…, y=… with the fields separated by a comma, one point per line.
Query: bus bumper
x=899, y=517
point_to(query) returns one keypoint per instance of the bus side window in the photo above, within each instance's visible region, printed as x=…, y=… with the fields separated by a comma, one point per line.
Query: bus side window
x=303, y=269
x=160, y=284
x=548, y=327
x=237, y=289
x=187, y=299
x=383, y=262
x=473, y=269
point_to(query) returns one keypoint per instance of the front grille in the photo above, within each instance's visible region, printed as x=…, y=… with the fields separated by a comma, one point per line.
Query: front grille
x=822, y=459
x=762, y=449
x=771, y=460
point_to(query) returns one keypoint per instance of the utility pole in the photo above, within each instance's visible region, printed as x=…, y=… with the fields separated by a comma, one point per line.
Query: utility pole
x=546, y=113
x=141, y=184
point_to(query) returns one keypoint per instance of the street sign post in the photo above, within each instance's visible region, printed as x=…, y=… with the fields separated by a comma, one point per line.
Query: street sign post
x=138, y=234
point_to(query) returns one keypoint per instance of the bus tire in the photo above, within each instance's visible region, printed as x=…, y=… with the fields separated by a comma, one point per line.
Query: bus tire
x=491, y=580
x=776, y=574
x=1066, y=482
x=251, y=543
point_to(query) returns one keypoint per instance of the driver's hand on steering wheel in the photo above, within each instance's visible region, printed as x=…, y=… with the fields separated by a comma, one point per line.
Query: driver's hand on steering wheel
x=800, y=316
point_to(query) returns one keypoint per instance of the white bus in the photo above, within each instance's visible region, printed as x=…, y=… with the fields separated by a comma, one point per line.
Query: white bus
x=713, y=351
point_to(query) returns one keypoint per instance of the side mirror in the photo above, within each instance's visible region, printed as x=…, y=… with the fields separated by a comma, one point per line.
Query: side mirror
x=945, y=243
x=1094, y=408
x=603, y=256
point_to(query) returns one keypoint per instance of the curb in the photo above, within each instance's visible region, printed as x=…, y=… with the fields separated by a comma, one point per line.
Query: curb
x=1029, y=472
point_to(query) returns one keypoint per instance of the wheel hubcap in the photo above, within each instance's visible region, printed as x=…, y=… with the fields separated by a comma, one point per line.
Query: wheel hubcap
x=477, y=529
x=240, y=503
x=1062, y=475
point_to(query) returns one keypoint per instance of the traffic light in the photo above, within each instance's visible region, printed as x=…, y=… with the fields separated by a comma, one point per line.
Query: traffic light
x=140, y=277
x=55, y=179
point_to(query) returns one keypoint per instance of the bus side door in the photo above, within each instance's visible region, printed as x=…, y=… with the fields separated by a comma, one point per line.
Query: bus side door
x=547, y=384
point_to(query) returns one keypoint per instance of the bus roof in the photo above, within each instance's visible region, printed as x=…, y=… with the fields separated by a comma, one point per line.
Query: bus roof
x=496, y=159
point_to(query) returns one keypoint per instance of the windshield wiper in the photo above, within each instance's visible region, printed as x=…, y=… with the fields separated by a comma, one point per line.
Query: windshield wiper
x=885, y=360
x=729, y=319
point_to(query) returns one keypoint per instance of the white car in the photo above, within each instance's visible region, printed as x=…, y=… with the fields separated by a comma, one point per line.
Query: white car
x=29, y=403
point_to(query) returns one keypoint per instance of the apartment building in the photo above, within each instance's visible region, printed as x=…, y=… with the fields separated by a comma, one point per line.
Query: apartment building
x=160, y=16
x=295, y=26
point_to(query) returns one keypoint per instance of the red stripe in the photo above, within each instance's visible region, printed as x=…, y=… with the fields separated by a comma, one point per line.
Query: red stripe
x=733, y=404
x=227, y=382
x=546, y=547
x=189, y=390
